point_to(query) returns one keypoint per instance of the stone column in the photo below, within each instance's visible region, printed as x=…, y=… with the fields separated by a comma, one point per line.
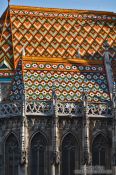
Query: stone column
x=1, y=152
x=24, y=142
x=114, y=133
x=55, y=139
x=86, y=139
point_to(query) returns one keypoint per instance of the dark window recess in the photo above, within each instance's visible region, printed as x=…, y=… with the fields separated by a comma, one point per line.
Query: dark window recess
x=38, y=155
x=5, y=90
x=69, y=152
x=11, y=156
x=99, y=152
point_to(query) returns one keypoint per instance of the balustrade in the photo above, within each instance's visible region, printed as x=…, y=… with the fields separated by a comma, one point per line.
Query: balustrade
x=10, y=109
x=46, y=108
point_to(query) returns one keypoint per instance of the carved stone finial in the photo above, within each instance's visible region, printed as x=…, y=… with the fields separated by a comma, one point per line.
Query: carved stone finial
x=114, y=95
x=23, y=158
x=23, y=51
x=8, y=2
x=54, y=96
x=106, y=45
x=85, y=158
x=84, y=98
x=55, y=158
x=78, y=55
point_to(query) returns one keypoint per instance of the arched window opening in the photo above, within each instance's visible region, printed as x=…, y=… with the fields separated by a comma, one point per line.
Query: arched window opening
x=100, y=153
x=38, y=155
x=69, y=155
x=11, y=156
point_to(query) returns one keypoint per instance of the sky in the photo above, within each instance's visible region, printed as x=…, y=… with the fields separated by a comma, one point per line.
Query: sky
x=102, y=5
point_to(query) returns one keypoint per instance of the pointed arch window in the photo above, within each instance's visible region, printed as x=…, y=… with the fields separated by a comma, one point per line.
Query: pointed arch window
x=101, y=153
x=99, y=150
x=70, y=158
x=38, y=155
x=11, y=155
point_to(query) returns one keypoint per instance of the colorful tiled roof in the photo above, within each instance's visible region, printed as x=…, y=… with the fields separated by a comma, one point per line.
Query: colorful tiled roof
x=71, y=78
x=6, y=44
x=17, y=86
x=52, y=40
x=57, y=33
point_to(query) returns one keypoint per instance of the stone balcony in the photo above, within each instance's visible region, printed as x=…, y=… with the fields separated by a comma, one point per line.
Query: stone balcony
x=46, y=108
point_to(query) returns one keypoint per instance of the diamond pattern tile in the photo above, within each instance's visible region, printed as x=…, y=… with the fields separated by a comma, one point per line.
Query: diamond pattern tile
x=70, y=81
x=60, y=35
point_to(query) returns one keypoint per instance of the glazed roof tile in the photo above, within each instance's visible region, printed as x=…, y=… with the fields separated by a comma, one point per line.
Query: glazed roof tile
x=17, y=86
x=60, y=35
x=6, y=44
x=71, y=79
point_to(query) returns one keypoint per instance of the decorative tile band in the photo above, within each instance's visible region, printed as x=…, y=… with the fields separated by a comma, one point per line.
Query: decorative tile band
x=62, y=67
x=64, y=15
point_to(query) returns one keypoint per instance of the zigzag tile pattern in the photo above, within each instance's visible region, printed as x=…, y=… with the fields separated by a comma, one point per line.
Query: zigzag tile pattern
x=70, y=82
x=6, y=45
x=53, y=34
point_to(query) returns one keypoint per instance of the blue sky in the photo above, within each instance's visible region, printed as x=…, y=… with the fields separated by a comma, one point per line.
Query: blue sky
x=103, y=5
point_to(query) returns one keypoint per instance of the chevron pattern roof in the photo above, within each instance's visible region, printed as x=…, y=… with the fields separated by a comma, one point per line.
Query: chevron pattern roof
x=55, y=33
x=6, y=44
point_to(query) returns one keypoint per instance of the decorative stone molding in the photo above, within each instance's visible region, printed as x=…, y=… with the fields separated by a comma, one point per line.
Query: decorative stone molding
x=55, y=158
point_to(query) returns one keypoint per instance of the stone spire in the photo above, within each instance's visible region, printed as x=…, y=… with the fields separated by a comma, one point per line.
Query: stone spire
x=108, y=68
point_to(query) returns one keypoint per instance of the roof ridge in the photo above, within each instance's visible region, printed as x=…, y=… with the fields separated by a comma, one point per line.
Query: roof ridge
x=11, y=35
x=6, y=15
x=63, y=10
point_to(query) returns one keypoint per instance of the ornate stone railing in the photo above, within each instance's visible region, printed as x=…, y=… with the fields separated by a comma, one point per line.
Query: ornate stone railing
x=42, y=108
x=46, y=108
x=10, y=109
x=99, y=109
x=70, y=109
